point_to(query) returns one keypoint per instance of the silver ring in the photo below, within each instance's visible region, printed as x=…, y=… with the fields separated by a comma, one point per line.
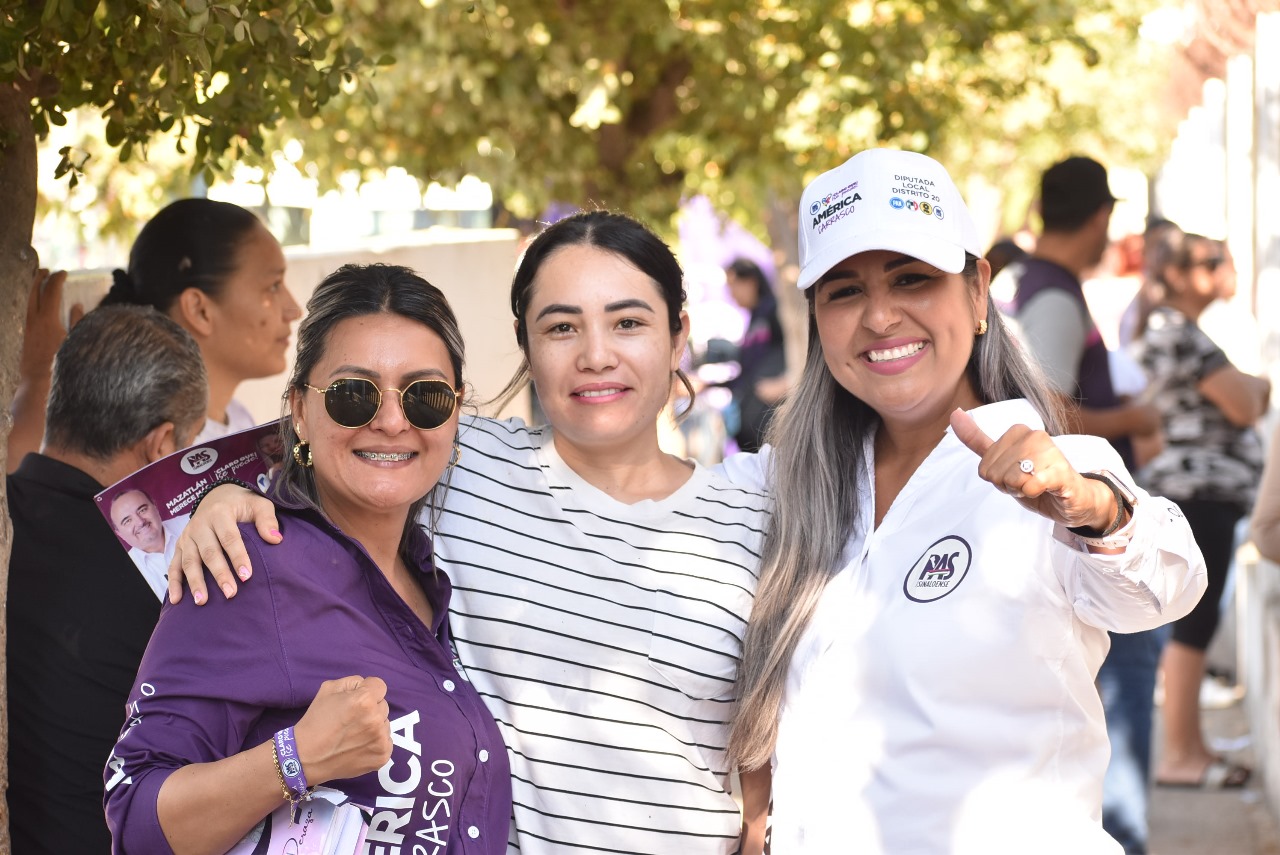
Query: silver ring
x=1026, y=465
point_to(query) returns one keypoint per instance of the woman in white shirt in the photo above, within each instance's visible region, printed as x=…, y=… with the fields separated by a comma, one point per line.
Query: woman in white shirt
x=941, y=568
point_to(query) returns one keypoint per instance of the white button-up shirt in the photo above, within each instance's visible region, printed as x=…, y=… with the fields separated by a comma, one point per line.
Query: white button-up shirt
x=154, y=566
x=942, y=699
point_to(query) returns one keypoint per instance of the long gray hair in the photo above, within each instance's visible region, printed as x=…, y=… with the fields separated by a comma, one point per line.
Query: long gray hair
x=818, y=460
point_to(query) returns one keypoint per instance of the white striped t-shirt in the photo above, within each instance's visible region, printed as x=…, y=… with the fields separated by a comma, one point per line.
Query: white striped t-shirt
x=604, y=638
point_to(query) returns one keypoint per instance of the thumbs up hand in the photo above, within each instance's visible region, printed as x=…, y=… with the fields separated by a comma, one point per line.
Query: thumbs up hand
x=1027, y=465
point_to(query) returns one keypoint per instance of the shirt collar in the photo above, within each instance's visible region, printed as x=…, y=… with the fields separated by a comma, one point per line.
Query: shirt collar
x=60, y=476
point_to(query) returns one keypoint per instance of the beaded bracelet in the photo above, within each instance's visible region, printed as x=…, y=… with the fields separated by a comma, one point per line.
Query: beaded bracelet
x=211, y=487
x=275, y=758
x=293, y=781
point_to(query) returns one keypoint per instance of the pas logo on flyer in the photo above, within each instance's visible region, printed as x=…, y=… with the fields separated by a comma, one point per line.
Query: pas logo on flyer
x=198, y=460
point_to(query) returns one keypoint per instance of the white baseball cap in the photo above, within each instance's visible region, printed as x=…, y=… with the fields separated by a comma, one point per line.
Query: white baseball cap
x=884, y=199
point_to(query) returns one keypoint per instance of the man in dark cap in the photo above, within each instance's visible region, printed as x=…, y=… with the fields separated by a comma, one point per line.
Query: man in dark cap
x=1057, y=327
x=1075, y=205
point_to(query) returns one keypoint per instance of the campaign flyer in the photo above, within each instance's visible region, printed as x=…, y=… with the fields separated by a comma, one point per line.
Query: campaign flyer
x=148, y=509
x=327, y=824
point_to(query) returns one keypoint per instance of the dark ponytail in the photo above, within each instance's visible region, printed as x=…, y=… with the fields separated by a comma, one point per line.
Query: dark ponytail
x=123, y=291
x=191, y=243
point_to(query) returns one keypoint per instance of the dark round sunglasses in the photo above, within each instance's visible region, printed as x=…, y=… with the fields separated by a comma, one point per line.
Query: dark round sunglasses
x=1211, y=264
x=353, y=402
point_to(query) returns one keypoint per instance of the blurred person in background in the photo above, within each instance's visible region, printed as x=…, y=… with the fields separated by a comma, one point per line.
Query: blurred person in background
x=1060, y=332
x=1002, y=253
x=215, y=269
x=1210, y=465
x=128, y=387
x=1151, y=289
x=211, y=266
x=1075, y=205
x=761, y=382
x=1231, y=322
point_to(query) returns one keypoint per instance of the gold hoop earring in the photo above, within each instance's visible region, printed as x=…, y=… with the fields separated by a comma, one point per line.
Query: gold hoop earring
x=982, y=327
x=302, y=453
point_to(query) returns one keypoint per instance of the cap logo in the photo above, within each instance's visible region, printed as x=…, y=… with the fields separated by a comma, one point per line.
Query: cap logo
x=838, y=209
x=927, y=208
x=836, y=222
x=826, y=200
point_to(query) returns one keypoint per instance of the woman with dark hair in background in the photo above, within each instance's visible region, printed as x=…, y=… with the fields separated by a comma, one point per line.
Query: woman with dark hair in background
x=760, y=383
x=1210, y=466
x=212, y=267
x=215, y=269
x=241, y=705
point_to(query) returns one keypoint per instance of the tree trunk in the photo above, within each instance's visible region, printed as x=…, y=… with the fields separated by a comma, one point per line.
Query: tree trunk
x=17, y=264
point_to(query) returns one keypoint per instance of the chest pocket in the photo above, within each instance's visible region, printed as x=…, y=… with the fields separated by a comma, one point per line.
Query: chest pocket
x=696, y=643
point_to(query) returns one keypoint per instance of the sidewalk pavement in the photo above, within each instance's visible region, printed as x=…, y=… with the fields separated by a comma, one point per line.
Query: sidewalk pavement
x=1222, y=822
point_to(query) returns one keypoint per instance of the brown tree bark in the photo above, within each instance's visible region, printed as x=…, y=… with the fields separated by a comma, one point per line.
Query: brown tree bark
x=17, y=264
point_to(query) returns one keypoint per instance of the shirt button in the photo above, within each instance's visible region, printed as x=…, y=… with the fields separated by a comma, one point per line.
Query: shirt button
x=448, y=685
x=484, y=756
x=473, y=832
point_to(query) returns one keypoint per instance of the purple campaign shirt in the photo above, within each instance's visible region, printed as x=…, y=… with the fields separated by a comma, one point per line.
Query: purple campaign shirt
x=223, y=677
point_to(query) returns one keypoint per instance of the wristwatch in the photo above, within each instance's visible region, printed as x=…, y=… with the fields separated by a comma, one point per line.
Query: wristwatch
x=1112, y=537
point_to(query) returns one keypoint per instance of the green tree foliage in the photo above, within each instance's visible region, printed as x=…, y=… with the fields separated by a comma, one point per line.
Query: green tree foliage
x=1099, y=94
x=222, y=70
x=636, y=103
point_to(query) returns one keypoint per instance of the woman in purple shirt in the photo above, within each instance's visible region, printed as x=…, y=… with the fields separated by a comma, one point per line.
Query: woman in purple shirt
x=238, y=707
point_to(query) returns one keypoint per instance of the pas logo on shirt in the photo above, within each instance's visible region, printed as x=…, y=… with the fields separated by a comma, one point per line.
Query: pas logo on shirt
x=939, y=571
